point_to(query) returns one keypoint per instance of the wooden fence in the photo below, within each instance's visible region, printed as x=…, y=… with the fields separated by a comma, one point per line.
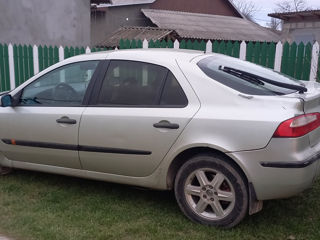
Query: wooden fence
x=20, y=62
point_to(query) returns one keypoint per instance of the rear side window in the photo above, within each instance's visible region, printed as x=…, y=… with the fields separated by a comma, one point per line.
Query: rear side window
x=211, y=66
x=173, y=94
x=134, y=84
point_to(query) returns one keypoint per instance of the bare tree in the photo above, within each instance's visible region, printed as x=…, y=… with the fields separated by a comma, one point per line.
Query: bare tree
x=286, y=6
x=291, y=6
x=274, y=24
x=247, y=8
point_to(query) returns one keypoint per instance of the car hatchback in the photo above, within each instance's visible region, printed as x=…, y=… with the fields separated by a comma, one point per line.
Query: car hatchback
x=224, y=134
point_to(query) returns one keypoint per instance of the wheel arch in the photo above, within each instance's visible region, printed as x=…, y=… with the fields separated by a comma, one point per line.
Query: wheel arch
x=186, y=154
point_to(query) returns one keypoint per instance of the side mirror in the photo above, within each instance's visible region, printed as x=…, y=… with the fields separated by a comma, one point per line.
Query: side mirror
x=6, y=101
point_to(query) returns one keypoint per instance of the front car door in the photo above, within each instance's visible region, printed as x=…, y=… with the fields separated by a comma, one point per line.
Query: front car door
x=43, y=127
x=134, y=118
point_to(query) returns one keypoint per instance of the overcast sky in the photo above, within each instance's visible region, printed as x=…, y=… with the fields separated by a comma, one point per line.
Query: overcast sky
x=268, y=6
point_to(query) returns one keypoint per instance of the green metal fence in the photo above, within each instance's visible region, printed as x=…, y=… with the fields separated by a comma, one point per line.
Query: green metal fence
x=47, y=56
x=71, y=51
x=228, y=48
x=295, y=58
x=261, y=53
x=4, y=68
x=23, y=63
x=127, y=44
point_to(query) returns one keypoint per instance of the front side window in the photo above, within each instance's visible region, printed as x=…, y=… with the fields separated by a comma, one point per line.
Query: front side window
x=132, y=83
x=64, y=86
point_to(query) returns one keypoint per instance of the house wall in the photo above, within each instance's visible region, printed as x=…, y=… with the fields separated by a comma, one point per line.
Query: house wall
x=303, y=31
x=58, y=22
x=105, y=23
x=216, y=7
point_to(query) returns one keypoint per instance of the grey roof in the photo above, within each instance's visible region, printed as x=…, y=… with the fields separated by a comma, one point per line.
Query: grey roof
x=130, y=2
x=119, y=3
x=300, y=14
x=206, y=26
x=137, y=33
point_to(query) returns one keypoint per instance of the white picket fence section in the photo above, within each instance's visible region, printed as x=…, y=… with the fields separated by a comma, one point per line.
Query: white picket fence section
x=176, y=45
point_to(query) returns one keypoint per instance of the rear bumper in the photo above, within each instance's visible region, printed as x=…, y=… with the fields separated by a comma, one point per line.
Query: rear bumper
x=283, y=169
x=297, y=164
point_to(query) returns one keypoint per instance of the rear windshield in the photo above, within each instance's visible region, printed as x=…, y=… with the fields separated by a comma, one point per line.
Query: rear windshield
x=211, y=66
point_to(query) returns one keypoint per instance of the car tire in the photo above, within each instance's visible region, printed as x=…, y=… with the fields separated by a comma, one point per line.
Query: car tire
x=211, y=191
x=5, y=170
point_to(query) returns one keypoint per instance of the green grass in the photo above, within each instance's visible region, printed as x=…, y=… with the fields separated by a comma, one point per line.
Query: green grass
x=44, y=206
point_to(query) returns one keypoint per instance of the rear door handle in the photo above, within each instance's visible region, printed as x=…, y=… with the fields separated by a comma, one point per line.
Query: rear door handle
x=166, y=124
x=66, y=120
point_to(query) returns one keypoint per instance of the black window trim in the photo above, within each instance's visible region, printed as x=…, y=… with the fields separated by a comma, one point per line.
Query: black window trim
x=93, y=101
x=99, y=70
x=97, y=76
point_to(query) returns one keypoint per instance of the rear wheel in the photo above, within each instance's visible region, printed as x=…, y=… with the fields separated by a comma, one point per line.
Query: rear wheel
x=209, y=190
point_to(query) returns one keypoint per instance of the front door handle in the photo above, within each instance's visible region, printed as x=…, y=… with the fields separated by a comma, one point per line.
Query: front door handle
x=66, y=120
x=166, y=124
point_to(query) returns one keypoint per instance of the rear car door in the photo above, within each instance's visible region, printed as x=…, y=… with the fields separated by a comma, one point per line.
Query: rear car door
x=43, y=127
x=137, y=113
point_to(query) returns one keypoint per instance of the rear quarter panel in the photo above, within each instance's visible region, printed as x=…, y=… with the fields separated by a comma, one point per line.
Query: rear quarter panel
x=242, y=127
x=230, y=121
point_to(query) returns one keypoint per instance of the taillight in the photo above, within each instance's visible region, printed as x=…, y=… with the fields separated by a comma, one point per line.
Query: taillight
x=298, y=126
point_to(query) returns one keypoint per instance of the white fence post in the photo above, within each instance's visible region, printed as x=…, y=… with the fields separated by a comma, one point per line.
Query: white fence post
x=243, y=50
x=278, y=57
x=145, y=44
x=11, y=67
x=61, y=58
x=209, y=47
x=35, y=59
x=88, y=50
x=61, y=53
x=314, y=62
x=176, y=44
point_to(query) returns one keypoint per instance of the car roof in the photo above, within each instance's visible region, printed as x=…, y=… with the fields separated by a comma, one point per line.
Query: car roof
x=151, y=55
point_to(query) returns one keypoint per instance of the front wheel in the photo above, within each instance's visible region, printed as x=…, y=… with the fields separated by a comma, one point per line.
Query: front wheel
x=209, y=190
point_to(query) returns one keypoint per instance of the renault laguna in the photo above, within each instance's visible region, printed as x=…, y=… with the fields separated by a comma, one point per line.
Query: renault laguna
x=222, y=133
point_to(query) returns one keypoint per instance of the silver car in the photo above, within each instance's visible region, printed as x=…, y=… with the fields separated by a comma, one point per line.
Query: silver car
x=224, y=134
